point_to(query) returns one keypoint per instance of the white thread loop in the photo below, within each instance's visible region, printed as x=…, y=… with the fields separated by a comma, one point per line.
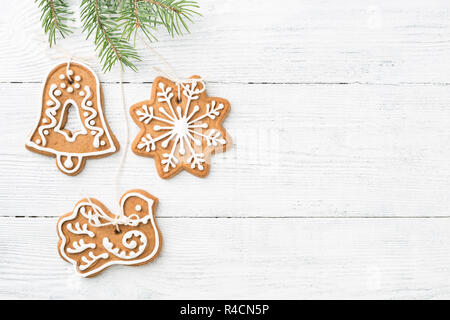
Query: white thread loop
x=64, y=54
x=122, y=219
x=180, y=82
x=171, y=74
x=67, y=69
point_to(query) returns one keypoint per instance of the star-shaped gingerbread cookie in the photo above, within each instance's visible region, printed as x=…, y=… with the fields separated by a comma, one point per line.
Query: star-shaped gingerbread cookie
x=180, y=127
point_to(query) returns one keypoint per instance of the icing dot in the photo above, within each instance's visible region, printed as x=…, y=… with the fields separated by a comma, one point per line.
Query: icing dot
x=61, y=76
x=44, y=120
x=77, y=86
x=57, y=93
x=49, y=102
x=70, y=72
x=77, y=78
x=53, y=112
x=68, y=163
x=102, y=143
x=70, y=89
x=89, y=103
x=138, y=208
x=81, y=93
x=38, y=141
x=62, y=85
x=46, y=132
x=86, y=113
x=93, y=133
x=92, y=122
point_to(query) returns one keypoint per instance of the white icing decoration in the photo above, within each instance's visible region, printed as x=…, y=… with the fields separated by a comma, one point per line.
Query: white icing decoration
x=77, y=78
x=81, y=93
x=93, y=258
x=127, y=244
x=87, y=122
x=85, y=113
x=70, y=72
x=89, y=103
x=80, y=246
x=83, y=229
x=69, y=89
x=61, y=76
x=102, y=143
x=44, y=120
x=38, y=141
x=62, y=85
x=46, y=132
x=138, y=208
x=68, y=163
x=57, y=93
x=181, y=127
x=51, y=112
x=80, y=208
x=77, y=86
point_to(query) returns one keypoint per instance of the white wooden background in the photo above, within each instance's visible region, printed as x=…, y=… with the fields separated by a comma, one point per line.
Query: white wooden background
x=337, y=185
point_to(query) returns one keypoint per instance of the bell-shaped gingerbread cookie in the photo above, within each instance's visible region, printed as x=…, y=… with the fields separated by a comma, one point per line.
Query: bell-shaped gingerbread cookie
x=72, y=86
x=92, y=238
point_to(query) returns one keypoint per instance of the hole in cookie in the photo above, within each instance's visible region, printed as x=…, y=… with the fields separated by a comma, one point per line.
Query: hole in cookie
x=71, y=120
x=117, y=231
x=178, y=100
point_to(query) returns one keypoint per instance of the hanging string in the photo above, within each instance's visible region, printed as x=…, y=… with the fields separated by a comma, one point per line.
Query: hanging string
x=127, y=135
x=64, y=54
x=170, y=72
x=121, y=219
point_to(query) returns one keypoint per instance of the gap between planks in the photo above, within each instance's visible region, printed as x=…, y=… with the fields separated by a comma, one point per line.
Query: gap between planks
x=306, y=83
x=262, y=217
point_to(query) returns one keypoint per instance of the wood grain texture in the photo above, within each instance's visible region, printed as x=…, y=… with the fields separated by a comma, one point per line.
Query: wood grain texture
x=299, y=150
x=339, y=118
x=242, y=258
x=265, y=41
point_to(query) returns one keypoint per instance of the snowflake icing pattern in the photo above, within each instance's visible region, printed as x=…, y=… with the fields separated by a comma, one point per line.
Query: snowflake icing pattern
x=180, y=134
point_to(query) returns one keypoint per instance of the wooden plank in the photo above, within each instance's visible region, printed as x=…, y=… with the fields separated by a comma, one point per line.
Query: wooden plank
x=263, y=41
x=299, y=150
x=242, y=258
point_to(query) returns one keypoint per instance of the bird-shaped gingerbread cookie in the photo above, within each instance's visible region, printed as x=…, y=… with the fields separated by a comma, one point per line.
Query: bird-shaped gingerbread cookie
x=92, y=238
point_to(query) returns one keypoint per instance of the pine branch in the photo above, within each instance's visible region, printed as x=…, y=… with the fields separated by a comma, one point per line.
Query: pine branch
x=173, y=13
x=115, y=22
x=55, y=16
x=98, y=17
x=134, y=16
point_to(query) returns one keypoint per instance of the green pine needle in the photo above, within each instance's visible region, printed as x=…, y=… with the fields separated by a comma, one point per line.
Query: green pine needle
x=101, y=20
x=115, y=23
x=55, y=16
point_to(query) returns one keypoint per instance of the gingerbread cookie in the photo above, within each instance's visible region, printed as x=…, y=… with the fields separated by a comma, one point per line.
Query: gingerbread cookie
x=76, y=86
x=180, y=126
x=92, y=238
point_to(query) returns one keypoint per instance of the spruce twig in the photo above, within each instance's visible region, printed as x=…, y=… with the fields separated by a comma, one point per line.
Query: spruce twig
x=115, y=23
x=55, y=16
x=108, y=38
x=173, y=13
